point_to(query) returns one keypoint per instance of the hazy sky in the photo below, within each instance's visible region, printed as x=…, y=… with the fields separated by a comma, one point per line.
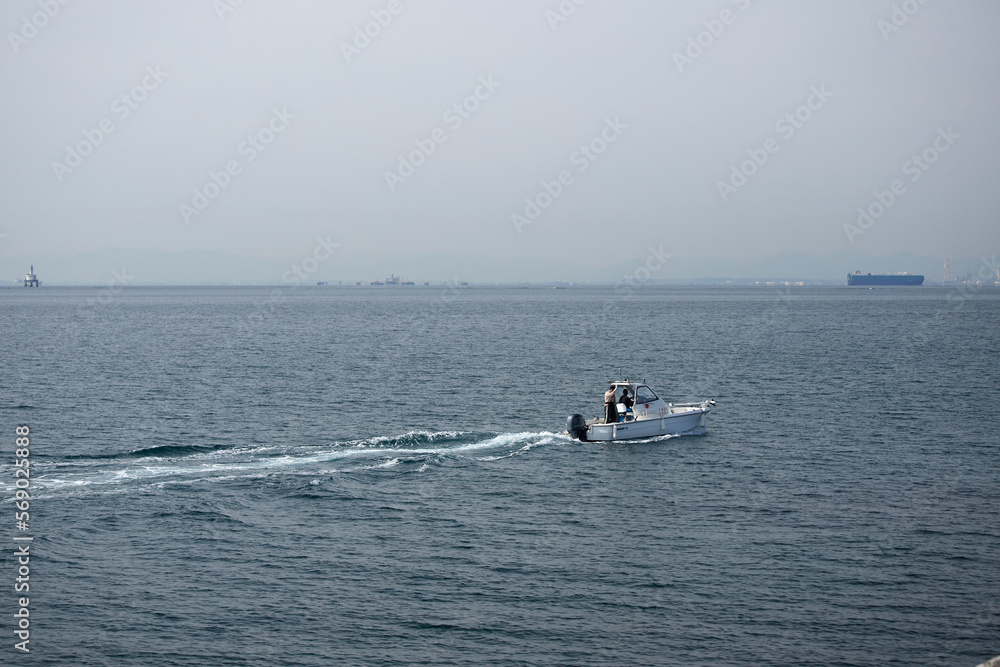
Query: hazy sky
x=623, y=122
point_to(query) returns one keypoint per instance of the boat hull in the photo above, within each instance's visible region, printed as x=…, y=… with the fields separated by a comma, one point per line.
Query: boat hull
x=869, y=280
x=673, y=424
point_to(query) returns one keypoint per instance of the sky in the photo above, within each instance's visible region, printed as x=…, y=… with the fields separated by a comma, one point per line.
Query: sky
x=581, y=131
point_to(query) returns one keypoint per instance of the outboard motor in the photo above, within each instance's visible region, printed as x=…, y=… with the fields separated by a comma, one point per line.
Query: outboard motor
x=576, y=425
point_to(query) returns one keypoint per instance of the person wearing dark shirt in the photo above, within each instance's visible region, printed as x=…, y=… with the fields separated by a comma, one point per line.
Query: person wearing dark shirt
x=627, y=401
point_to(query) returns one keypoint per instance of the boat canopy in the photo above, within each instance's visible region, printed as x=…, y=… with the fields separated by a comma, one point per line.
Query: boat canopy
x=641, y=393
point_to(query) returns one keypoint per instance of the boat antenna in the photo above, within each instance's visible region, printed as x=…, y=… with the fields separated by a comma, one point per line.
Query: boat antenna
x=619, y=372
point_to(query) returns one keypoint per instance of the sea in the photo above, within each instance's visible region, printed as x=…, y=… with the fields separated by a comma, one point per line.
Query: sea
x=345, y=475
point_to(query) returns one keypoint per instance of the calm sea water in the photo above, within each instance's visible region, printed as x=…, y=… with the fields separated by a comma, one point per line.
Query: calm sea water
x=232, y=476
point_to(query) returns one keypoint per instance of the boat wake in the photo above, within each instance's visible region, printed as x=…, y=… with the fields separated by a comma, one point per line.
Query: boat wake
x=415, y=451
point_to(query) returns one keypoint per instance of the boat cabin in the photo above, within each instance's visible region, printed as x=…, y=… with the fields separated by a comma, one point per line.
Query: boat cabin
x=647, y=405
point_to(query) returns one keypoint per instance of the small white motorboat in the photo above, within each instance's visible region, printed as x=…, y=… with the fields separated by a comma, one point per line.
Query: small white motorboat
x=649, y=416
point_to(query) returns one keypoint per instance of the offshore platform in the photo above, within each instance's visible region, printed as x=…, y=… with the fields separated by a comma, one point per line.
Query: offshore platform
x=30, y=279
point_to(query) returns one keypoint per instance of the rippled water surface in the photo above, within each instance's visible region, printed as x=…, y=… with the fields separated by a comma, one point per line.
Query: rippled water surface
x=236, y=476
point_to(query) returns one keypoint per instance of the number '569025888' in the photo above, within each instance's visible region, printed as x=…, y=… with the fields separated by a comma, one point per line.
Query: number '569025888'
x=22, y=473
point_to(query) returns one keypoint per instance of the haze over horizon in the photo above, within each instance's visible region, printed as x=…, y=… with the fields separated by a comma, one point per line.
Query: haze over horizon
x=583, y=132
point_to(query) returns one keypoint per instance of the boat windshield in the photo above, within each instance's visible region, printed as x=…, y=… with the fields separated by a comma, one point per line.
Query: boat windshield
x=644, y=395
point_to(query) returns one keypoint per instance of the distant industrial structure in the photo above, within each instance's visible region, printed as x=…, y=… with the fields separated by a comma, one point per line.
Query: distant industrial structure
x=949, y=276
x=392, y=280
x=990, y=277
x=30, y=279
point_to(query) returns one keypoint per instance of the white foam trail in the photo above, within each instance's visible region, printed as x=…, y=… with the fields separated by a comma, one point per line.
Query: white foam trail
x=529, y=446
x=156, y=470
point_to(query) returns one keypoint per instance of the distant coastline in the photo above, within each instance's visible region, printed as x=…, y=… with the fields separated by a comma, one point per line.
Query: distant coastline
x=123, y=266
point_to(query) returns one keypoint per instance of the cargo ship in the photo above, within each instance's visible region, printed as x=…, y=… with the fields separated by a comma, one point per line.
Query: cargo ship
x=872, y=280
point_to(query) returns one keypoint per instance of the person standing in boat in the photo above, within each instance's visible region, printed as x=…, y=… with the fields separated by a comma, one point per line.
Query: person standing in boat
x=627, y=401
x=610, y=409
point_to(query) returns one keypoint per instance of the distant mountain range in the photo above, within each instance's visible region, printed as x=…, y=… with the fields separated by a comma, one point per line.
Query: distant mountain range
x=198, y=267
